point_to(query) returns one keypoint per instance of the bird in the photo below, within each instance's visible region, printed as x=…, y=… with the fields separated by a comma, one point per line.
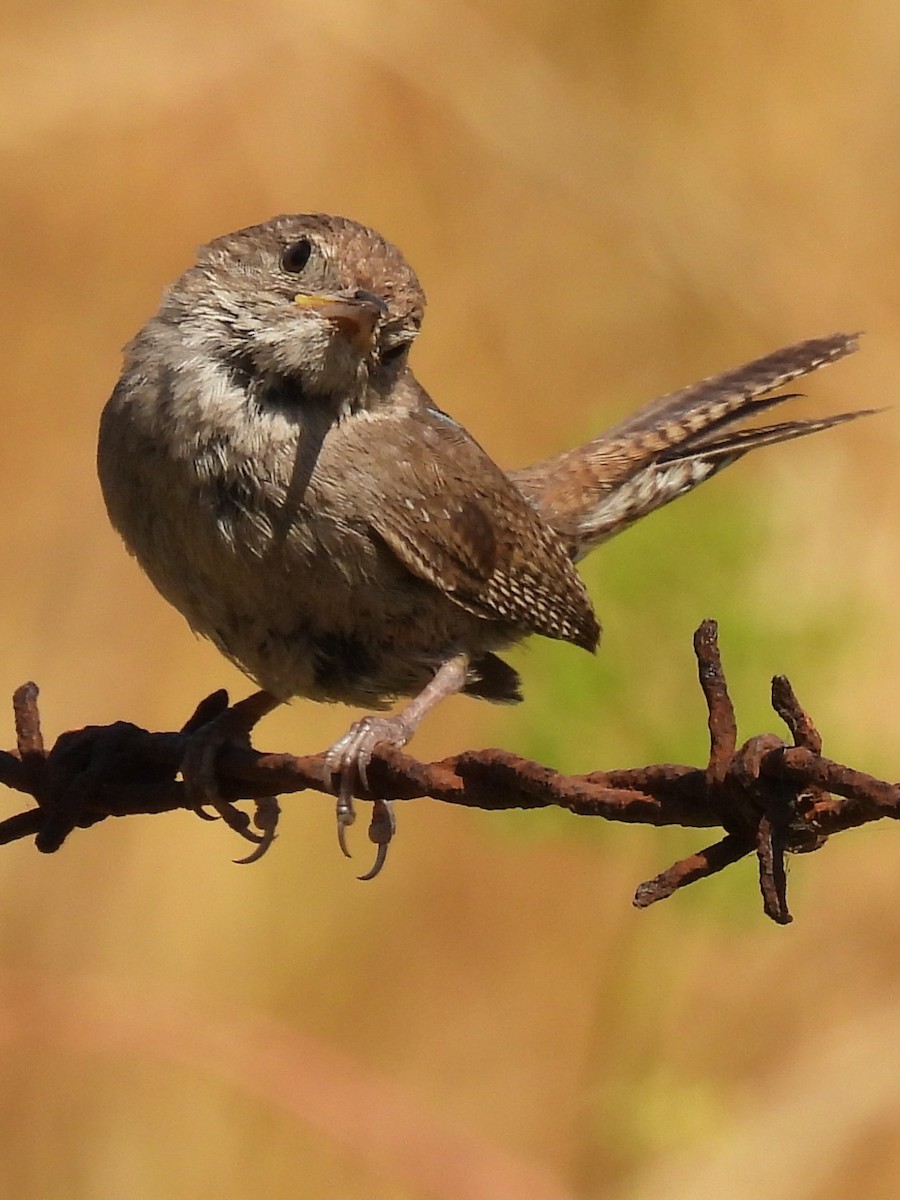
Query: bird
x=272, y=462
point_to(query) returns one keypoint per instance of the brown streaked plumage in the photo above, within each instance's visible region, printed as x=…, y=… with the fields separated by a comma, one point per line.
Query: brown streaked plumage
x=666, y=448
x=286, y=483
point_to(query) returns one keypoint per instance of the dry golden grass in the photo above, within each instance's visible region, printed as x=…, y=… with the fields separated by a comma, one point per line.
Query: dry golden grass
x=604, y=202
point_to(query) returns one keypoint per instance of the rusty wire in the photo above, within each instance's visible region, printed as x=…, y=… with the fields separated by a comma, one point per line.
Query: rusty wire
x=770, y=797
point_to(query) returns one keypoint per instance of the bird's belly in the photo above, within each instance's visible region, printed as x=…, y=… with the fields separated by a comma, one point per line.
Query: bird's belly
x=301, y=594
x=324, y=611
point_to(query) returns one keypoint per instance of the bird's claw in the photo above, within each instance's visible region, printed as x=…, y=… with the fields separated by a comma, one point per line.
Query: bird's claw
x=266, y=821
x=382, y=828
x=345, y=818
x=198, y=770
x=341, y=774
x=265, y=818
x=236, y=820
x=346, y=767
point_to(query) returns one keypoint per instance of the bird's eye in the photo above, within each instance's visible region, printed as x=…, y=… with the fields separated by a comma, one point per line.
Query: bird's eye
x=296, y=256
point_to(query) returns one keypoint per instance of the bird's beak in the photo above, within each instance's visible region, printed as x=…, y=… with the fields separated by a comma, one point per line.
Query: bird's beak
x=356, y=316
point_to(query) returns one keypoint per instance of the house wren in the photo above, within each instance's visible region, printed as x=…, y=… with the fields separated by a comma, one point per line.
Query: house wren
x=286, y=483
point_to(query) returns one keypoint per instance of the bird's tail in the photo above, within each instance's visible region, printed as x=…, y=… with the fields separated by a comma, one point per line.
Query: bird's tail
x=666, y=448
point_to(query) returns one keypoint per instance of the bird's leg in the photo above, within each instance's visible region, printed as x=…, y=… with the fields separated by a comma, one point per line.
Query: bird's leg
x=348, y=759
x=198, y=770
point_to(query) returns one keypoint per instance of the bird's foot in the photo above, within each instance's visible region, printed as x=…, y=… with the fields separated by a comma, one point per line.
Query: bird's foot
x=206, y=738
x=347, y=763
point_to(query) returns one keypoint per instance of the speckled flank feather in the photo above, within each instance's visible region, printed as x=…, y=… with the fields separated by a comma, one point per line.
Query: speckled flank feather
x=666, y=448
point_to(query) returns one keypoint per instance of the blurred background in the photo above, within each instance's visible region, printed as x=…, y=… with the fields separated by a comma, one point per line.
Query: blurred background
x=604, y=201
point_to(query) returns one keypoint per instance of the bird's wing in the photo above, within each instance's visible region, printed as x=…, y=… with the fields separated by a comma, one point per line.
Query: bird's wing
x=454, y=519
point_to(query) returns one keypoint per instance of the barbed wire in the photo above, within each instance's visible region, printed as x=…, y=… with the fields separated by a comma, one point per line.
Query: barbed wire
x=769, y=796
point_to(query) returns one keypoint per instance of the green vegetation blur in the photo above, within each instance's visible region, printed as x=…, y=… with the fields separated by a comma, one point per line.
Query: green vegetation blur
x=604, y=202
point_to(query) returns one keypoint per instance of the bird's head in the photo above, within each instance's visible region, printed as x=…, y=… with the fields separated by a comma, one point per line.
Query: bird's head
x=319, y=302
